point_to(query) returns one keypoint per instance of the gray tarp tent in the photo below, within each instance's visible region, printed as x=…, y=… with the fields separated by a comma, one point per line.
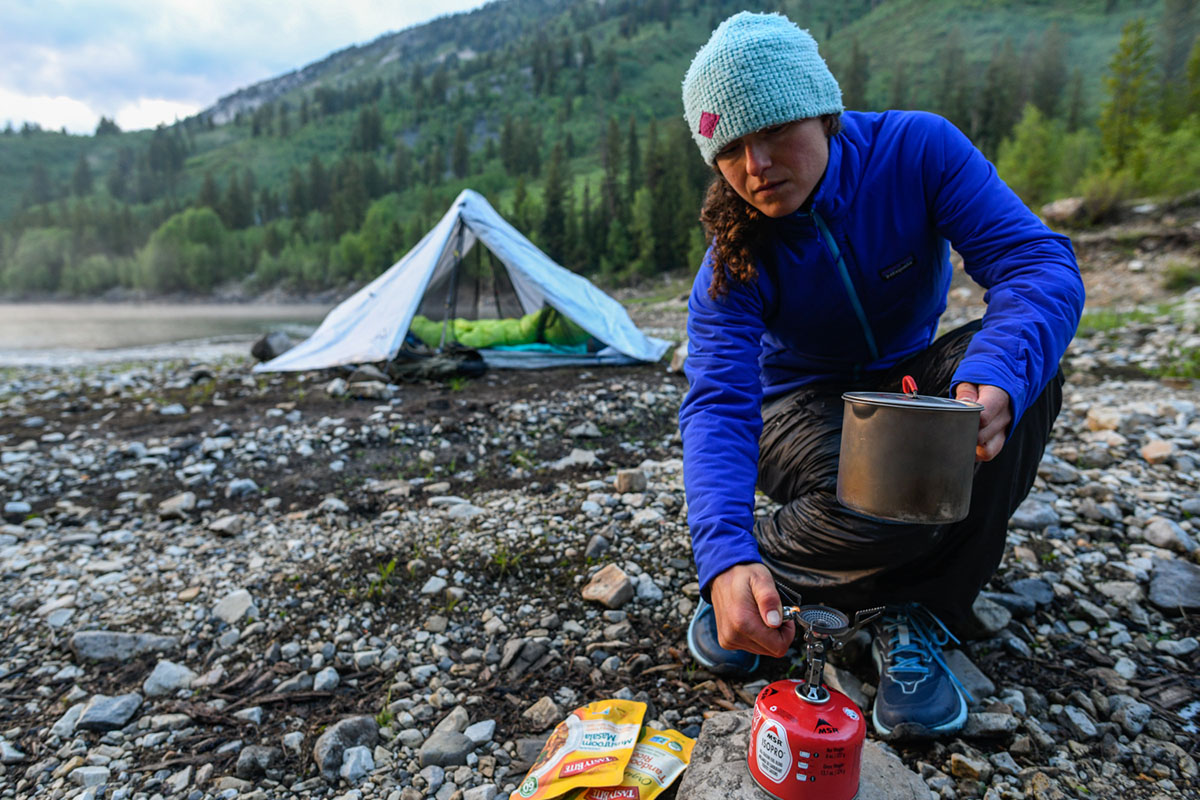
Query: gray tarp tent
x=436, y=280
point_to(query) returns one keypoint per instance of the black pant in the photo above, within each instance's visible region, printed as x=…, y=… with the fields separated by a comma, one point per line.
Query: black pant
x=831, y=555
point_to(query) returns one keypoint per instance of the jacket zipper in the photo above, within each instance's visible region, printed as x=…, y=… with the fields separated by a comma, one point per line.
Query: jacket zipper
x=845, y=275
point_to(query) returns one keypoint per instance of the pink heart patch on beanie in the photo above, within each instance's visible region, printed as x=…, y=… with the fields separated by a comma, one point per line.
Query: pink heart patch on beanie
x=708, y=123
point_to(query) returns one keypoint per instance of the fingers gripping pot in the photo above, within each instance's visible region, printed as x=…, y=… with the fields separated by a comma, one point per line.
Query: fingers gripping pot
x=806, y=740
x=907, y=457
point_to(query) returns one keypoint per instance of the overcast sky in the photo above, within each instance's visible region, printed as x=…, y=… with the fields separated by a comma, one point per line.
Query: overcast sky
x=141, y=62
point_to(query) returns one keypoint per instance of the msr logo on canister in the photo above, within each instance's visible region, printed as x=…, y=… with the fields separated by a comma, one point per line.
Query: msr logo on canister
x=773, y=756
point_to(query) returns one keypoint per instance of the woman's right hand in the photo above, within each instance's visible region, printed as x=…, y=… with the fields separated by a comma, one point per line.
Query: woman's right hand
x=749, y=614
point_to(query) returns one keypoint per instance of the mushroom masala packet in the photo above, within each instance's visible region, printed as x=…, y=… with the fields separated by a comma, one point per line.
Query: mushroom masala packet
x=591, y=747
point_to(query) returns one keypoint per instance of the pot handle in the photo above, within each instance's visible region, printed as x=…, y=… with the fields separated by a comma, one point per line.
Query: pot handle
x=908, y=385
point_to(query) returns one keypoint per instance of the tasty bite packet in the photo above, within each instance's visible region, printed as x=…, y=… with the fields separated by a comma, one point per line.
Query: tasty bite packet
x=658, y=759
x=589, y=748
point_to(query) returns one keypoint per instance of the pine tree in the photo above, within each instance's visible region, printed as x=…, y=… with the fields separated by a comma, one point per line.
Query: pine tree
x=1075, y=109
x=520, y=207
x=586, y=248
x=439, y=84
x=461, y=156
x=81, y=180
x=209, y=196
x=435, y=164
x=898, y=89
x=367, y=135
x=228, y=208
x=553, y=226
x=297, y=197
x=610, y=192
x=106, y=127
x=1128, y=87
x=1049, y=74
x=633, y=162
x=1192, y=92
x=508, y=145
x=953, y=91
x=854, y=88
x=402, y=166
x=39, y=186
x=1179, y=26
x=318, y=184
x=998, y=109
x=117, y=181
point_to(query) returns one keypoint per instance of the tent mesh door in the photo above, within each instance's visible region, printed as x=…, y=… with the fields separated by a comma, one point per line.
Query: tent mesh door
x=481, y=290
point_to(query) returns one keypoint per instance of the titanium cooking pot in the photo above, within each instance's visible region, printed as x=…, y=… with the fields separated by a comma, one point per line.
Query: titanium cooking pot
x=907, y=457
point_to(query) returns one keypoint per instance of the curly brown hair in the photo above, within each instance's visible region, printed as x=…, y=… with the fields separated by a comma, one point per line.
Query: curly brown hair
x=737, y=229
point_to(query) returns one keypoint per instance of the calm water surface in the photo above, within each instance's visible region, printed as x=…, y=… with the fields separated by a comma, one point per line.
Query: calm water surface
x=67, y=334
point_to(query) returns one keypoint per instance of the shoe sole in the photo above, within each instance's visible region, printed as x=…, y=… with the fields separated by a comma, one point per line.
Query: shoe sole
x=913, y=730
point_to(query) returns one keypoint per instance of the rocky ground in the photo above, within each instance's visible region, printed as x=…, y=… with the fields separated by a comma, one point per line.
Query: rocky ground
x=215, y=584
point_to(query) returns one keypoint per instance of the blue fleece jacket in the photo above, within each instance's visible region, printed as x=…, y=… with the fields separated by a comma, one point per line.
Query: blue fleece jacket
x=856, y=283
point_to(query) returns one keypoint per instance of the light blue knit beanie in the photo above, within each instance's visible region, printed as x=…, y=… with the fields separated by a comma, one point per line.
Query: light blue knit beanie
x=755, y=71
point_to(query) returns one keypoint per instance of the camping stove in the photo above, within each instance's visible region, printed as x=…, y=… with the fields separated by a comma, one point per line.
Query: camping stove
x=805, y=739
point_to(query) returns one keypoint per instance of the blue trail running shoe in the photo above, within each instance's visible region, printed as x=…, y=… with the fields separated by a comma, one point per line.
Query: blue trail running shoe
x=918, y=697
x=706, y=648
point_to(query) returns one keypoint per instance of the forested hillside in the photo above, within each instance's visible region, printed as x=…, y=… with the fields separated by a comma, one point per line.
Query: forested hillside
x=566, y=115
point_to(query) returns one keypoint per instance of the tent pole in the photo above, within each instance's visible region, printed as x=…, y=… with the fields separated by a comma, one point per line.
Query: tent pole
x=492, y=261
x=478, y=280
x=452, y=291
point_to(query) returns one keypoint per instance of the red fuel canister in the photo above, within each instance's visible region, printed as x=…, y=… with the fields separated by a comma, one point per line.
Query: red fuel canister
x=803, y=747
x=806, y=740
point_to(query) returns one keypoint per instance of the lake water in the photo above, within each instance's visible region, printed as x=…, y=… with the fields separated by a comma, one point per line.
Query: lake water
x=69, y=334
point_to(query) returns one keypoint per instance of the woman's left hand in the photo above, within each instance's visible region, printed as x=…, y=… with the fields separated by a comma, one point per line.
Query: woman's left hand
x=993, y=421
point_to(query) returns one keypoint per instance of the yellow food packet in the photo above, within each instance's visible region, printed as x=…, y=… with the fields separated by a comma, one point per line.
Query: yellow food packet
x=589, y=748
x=659, y=758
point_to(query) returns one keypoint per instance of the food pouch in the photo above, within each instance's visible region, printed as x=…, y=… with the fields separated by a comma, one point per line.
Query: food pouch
x=589, y=748
x=658, y=759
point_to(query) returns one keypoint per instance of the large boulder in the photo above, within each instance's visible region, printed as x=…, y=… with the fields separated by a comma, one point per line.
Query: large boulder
x=1175, y=587
x=718, y=768
x=341, y=736
x=1067, y=211
x=272, y=345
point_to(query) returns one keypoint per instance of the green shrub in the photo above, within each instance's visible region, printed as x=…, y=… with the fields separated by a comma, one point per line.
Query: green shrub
x=1181, y=276
x=1103, y=193
x=189, y=252
x=1167, y=164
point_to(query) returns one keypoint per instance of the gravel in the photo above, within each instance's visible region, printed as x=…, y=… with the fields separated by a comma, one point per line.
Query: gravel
x=218, y=584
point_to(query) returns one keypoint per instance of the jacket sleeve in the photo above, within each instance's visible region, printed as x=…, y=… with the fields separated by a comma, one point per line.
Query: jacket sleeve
x=720, y=421
x=1034, y=292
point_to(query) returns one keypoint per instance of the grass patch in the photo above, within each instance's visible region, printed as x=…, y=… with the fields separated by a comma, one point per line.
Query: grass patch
x=1181, y=362
x=1181, y=276
x=670, y=290
x=1106, y=320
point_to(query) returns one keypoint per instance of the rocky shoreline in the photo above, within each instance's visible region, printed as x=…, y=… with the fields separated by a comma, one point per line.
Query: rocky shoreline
x=218, y=585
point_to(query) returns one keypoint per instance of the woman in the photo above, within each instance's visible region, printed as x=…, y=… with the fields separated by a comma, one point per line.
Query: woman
x=827, y=272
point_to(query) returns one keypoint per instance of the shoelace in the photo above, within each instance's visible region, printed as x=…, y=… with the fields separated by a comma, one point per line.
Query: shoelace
x=927, y=635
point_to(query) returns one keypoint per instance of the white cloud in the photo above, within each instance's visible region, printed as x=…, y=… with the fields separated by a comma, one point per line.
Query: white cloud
x=148, y=113
x=51, y=113
x=125, y=57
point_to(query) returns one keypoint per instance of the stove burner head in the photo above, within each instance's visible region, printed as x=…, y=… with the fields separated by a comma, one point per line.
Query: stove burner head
x=822, y=620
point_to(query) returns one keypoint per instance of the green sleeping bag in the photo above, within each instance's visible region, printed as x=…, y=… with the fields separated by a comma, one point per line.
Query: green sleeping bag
x=546, y=326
